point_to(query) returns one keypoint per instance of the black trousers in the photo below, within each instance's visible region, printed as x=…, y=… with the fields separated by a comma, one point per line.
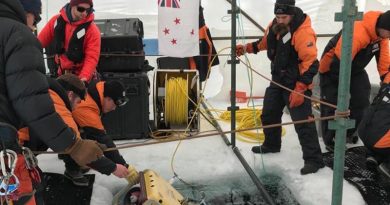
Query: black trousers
x=359, y=101
x=275, y=100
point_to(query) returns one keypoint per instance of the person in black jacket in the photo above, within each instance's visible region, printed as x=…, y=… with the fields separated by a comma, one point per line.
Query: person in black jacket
x=24, y=98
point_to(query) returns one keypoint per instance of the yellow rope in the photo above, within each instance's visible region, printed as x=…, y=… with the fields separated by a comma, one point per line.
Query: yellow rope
x=245, y=118
x=176, y=102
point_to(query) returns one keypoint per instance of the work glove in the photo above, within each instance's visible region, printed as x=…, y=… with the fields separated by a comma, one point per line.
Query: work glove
x=133, y=176
x=85, y=151
x=296, y=99
x=241, y=49
x=121, y=171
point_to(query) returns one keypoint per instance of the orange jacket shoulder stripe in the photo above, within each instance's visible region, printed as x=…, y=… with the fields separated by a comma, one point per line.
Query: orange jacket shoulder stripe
x=384, y=142
x=304, y=41
x=64, y=112
x=87, y=113
x=364, y=34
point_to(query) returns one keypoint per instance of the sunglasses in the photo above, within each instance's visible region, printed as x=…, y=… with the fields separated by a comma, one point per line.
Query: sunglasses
x=82, y=9
x=121, y=101
x=37, y=18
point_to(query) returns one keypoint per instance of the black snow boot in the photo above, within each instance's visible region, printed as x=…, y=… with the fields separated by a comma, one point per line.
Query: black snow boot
x=310, y=168
x=76, y=177
x=263, y=149
x=384, y=168
x=371, y=163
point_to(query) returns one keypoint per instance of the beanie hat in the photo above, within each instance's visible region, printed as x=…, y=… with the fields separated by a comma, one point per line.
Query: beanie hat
x=71, y=82
x=77, y=2
x=285, y=7
x=32, y=6
x=384, y=21
x=116, y=91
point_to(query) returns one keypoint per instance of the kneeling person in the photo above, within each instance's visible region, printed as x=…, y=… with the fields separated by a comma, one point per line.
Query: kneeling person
x=374, y=131
x=102, y=97
x=66, y=92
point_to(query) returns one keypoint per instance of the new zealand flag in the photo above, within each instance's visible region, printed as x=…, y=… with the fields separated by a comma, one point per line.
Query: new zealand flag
x=169, y=3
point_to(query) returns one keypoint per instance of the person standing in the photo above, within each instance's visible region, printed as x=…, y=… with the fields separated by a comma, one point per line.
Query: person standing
x=76, y=39
x=290, y=42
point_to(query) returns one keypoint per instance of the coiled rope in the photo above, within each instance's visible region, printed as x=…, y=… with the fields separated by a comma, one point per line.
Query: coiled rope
x=176, y=101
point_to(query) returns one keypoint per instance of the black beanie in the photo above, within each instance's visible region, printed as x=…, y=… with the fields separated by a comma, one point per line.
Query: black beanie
x=71, y=82
x=285, y=7
x=384, y=21
x=115, y=90
x=32, y=6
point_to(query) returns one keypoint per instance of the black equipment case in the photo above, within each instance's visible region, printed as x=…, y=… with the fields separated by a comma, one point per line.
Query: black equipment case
x=130, y=121
x=121, y=45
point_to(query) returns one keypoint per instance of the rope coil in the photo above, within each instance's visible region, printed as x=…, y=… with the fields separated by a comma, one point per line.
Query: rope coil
x=176, y=102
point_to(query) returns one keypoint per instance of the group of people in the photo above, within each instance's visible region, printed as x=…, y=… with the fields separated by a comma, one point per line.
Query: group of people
x=291, y=47
x=63, y=114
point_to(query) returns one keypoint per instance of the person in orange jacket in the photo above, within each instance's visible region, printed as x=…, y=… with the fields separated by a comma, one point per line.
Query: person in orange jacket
x=76, y=39
x=25, y=102
x=374, y=131
x=370, y=38
x=290, y=42
x=102, y=97
x=67, y=92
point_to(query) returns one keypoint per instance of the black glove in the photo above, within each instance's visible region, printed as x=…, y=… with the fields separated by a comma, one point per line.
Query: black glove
x=383, y=94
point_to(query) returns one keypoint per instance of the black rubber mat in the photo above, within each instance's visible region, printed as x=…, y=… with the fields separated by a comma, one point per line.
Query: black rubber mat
x=61, y=191
x=374, y=187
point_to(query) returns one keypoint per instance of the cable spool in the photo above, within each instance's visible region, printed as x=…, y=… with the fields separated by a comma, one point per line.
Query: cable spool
x=176, y=101
x=173, y=96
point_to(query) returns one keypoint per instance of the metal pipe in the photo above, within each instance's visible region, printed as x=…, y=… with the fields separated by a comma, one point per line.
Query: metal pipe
x=259, y=185
x=248, y=17
x=348, y=15
x=233, y=62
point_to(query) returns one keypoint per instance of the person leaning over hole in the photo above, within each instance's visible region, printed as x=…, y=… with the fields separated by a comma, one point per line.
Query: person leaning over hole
x=102, y=97
x=370, y=38
x=67, y=92
x=290, y=42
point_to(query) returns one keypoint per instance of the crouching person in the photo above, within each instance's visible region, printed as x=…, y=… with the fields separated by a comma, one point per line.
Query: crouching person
x=67, y=92
x=102, y=97
x=374, y=131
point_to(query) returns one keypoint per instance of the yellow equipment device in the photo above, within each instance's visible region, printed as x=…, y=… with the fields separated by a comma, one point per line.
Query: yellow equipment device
x=156, y=189
x=152, y=190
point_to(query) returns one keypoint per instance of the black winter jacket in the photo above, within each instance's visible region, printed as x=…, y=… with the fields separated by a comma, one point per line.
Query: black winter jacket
x=24, y=98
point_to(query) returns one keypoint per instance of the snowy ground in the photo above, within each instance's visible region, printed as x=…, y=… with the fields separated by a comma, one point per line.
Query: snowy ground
x=205, y=159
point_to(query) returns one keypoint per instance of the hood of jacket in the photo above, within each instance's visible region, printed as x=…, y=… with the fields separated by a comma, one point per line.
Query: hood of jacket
x=369, y=23
x=12, y=9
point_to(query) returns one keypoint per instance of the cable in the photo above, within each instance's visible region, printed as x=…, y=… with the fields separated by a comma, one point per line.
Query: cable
x=193, y=117
x=246, y=120
x=176, y=103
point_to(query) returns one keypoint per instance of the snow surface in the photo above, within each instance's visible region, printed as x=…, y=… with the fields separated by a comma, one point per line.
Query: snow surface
x=207, y=159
